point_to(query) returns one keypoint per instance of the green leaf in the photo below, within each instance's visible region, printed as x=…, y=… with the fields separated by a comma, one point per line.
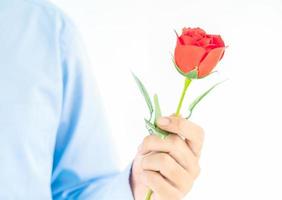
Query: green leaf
x=158, y=112
x=199, y=98
x=191, y=75
x=155, y=130
x=145, y=94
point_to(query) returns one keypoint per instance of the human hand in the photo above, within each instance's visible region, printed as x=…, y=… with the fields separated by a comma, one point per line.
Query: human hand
x=168, y=166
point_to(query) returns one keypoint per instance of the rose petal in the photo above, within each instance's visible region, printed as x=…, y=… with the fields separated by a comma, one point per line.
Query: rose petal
x=217, y=40
x=209, y=48
x=187, y=40
x=187, y=31
x=179, y=41
x=197, y=36
x=193, y=31
x=187, y=57
x=204, y=42
x=210, y=61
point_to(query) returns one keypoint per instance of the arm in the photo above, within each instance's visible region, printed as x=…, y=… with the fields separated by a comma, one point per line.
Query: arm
x=84, y=160
x=84, y=165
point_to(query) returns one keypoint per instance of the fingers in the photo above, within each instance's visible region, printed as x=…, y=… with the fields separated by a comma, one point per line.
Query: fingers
x=174, y=146
x=190, y=131
x=168, y=168
x=161, y=188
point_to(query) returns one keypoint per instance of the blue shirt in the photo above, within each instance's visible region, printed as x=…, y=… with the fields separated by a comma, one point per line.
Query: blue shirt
x=54, y=138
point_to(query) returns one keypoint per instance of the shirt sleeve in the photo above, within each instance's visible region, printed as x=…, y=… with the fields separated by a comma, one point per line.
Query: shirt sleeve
x=84, y=164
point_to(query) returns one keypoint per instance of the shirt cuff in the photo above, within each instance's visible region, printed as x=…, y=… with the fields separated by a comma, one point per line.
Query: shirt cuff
x=115, y=187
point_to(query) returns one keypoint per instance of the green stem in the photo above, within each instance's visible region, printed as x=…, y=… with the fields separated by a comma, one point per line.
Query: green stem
x=149, y=195
x=186, y=85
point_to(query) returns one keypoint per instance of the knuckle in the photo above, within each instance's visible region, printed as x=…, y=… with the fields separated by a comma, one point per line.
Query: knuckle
x=165, y=159
x=194, y=161
x=196, y=127
x=176, y=122
x=148, y=140
x=151, y=178
x=143, y=162
x=181, y=123
x=172, y=171
x=196, y=171
x=201, y=132
x=175, y=140
x=168, y=168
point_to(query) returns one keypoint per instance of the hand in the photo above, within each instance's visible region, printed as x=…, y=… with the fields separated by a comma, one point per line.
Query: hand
x=168, y=166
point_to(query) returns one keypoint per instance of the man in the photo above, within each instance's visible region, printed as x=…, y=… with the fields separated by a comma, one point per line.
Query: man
x=54, y=142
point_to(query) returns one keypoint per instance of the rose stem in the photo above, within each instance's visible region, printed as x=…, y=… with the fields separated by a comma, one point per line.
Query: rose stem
x=149, y=195
x=186, y=85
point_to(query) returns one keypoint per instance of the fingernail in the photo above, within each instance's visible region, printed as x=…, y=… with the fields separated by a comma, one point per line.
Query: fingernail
x=163, y=121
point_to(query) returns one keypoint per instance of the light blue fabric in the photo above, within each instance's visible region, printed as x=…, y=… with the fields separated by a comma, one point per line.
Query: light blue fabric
x=54, y=139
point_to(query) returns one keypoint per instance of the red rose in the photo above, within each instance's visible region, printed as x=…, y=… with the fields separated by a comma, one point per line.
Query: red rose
x=196, y=50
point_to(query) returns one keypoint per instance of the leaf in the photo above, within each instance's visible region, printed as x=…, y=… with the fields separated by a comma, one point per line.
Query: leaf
x=155, y=130
x=158, y=112
x=199, y=98
x=191, y=75
x=145, y=94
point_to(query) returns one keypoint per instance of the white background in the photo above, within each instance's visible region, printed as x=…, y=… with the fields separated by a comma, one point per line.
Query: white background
x=242, y=118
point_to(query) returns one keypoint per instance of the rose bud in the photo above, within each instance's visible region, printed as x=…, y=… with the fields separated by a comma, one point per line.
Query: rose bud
x=197, y=53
